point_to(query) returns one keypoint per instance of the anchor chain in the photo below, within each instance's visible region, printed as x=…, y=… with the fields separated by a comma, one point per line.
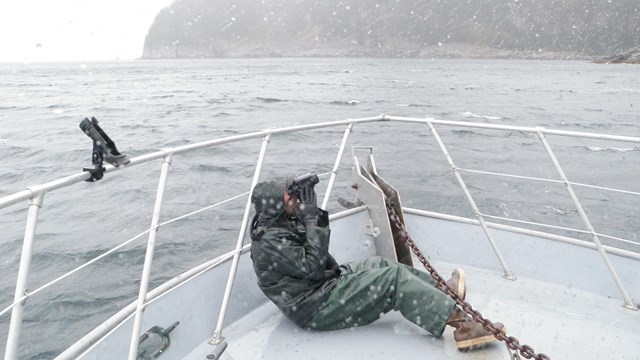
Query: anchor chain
x=512, y=343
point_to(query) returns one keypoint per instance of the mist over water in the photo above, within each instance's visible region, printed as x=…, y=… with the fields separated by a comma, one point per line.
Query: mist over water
x=148, y=105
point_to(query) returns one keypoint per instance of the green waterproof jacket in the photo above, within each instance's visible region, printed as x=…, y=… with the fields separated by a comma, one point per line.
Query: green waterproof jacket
x=291, y=256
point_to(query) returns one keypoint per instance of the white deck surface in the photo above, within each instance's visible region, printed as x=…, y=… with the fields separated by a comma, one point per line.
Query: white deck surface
x=555, y=320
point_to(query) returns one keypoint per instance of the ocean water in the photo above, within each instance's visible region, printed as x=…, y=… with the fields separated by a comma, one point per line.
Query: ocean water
x=148, y=105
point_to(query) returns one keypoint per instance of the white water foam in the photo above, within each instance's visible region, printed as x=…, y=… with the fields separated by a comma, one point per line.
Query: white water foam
x=468, y=114
x=598, y=148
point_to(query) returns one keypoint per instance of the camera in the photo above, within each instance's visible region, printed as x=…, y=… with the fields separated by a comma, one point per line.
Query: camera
x=302, y=181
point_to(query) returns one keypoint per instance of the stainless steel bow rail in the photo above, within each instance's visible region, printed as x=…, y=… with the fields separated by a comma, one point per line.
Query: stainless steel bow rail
x=34, y=195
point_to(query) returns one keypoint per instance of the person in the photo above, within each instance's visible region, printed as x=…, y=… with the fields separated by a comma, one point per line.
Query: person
x=294, y=269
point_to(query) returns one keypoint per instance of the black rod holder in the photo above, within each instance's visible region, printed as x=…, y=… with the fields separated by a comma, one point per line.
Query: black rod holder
x=104, y=149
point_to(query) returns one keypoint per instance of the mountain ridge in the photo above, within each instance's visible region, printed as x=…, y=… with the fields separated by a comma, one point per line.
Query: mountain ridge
x=391, y=28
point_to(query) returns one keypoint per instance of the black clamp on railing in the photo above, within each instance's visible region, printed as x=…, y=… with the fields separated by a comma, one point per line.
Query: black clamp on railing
x=158, y=339
x=104, y=149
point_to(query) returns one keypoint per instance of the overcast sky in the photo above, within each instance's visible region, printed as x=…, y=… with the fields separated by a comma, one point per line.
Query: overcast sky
x=75, y=30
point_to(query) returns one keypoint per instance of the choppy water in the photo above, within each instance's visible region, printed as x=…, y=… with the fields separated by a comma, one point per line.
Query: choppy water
x=147, y=105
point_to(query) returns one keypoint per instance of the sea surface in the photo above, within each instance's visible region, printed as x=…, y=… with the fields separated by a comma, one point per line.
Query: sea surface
x=149, y=105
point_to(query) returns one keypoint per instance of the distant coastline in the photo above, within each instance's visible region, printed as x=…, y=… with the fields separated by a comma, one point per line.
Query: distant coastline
x=446, y=51
x=574, y=30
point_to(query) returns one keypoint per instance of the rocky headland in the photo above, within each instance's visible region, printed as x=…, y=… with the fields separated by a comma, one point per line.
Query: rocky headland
x=541, y=29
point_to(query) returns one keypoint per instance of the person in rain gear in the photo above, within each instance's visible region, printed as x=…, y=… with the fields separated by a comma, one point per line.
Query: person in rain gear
x=290, y=253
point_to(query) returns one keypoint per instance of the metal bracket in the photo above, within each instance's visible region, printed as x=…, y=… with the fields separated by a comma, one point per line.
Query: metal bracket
x=217, y=352
x=104, y=149
x=164, y=337
x=371, y=194
x=98, y=171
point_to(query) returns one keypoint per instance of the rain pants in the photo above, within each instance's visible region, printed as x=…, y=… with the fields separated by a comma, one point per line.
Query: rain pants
x=295, y=270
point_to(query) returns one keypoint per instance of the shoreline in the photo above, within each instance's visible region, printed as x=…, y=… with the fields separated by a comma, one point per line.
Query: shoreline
x=432, y=52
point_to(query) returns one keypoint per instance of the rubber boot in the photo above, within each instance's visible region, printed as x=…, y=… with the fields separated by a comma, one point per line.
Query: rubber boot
x=469, y=334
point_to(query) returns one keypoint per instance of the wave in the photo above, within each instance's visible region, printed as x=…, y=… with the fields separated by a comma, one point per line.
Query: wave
x=464, y=132
x=269, y=99
x=225, y=100
x=621, y=150
x=413, y=105
x=341, y=102
x=339, y=71
x=216, y=169
x=468, y=114
x=623, y=90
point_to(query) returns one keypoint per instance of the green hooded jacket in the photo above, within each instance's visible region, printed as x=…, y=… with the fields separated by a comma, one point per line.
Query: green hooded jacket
x=290, y=256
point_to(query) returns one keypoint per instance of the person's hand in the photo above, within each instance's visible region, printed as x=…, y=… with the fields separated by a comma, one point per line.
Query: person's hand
x=308, y=207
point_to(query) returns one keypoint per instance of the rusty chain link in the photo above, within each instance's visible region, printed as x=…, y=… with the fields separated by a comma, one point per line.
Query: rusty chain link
x=511, y=342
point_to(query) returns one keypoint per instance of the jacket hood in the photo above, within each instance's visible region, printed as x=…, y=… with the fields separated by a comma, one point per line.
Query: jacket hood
x=268, y=197
x=268, y=201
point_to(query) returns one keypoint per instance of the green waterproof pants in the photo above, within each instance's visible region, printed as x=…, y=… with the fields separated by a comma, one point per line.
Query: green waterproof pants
x=368, y=289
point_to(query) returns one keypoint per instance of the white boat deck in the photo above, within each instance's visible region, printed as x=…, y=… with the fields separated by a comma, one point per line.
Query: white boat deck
x=554, y=320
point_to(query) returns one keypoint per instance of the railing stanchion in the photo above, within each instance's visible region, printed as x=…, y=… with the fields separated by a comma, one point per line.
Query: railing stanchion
x=148, y=259
x=485, y=228
x=334, y=172
x=594, y=236
x=217, y=335
x=15, y=326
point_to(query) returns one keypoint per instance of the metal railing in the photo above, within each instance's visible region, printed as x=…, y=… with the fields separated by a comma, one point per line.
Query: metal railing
x=35, y=197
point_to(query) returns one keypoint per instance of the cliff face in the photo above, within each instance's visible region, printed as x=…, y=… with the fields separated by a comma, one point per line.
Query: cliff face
x=391, y=28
